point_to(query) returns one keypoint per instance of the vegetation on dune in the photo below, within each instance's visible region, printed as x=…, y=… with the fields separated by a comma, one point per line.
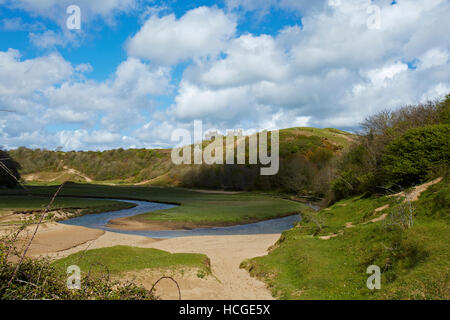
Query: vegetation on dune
x=125, y=258
x=40, y=279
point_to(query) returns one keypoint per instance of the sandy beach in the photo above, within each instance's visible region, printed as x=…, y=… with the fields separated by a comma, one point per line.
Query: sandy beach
x=226, y=253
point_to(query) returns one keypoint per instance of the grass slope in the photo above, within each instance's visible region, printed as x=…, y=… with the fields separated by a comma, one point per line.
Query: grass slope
x=414, y=262
x=125, y=258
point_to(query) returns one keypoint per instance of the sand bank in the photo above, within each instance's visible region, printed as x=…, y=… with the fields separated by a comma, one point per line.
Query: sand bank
x=226, y=253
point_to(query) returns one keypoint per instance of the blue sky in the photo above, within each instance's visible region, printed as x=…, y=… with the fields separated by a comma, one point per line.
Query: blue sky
x=139, y=69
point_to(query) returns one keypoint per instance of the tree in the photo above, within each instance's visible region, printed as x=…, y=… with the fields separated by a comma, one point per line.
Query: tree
x=9, y=170
x=410, y=158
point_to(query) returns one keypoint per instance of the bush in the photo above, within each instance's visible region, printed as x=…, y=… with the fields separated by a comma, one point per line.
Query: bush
x=38, y=279
x=410, y=158
x=8, y=168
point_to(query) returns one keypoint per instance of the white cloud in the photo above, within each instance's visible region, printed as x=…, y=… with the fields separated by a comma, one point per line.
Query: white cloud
x=56, y=9
x=24, y=77
x=382, y=76
x=333, y=72
x=200, y=32
x=260, y=57
x=49, y=91
x=17, y=24
x=434, y=58
x=52, y=39
x=80, y=139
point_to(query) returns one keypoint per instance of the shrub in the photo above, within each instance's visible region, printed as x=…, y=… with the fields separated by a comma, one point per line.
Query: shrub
x=410, y=158
x=9, y=170
x=38, y=279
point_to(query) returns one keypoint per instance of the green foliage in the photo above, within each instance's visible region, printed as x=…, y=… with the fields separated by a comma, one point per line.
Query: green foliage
x=124, y=258
x=396, y=147
x=8, y=168
x=39, y=279
x=444, y=110
x=100, y=166
x=410, y=158
x=354, y=176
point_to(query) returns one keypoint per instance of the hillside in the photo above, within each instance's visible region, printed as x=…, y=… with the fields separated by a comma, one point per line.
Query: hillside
x=327, y=254
x=154, y=166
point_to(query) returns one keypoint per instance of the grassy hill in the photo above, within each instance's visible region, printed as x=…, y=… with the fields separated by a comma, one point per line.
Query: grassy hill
x=327, y=254
x=154, y=167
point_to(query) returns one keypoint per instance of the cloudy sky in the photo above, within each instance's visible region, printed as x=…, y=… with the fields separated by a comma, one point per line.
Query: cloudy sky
x=139, y=69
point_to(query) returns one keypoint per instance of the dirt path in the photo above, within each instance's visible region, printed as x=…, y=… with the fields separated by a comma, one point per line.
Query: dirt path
x=78, y=173
x=226, y=253
x=415, y=193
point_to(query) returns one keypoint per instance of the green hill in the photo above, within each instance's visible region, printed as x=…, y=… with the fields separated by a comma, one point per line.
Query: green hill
x=327, y=254
x=154, y=166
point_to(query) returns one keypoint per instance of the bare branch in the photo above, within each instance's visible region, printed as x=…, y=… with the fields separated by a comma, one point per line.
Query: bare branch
x=34, y=234
x=170, y=278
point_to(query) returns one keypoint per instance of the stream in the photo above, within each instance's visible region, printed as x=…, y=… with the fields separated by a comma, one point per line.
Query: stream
x=100, y=220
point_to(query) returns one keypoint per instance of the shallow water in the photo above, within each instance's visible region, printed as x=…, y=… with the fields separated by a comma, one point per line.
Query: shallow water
x=100, y=220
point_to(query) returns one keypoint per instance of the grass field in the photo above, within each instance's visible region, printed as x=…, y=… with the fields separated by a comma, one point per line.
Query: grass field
x=124, y=258
x=414, y=262
x=194, y=206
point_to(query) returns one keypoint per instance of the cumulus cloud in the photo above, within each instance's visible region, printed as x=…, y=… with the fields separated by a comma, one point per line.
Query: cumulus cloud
x=333, y=71
x=20, y=78
x=167, y=40
x=98, y=140
x=249, y=59
x=47, y=91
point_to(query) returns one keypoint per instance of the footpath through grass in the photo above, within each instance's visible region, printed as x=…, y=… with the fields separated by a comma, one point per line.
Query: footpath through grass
x=193, y=206
x=124, y=258
x=414, y=261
